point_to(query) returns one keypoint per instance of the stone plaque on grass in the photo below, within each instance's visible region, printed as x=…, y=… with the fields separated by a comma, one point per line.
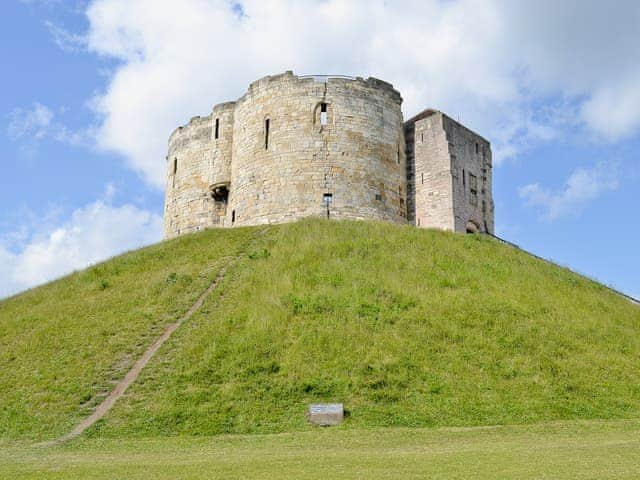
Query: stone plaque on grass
x=326, y=414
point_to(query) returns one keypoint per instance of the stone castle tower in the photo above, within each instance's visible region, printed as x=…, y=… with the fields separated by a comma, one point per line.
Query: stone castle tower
x=328, y=146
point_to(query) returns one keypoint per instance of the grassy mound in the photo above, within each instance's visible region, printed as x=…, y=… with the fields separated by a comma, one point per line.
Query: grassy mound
x=407, y=327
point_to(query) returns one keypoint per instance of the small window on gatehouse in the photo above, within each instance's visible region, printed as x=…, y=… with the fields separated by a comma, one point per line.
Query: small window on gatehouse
x=266, y=133
x=473, y=189
x=323, y=114
x=217, y=129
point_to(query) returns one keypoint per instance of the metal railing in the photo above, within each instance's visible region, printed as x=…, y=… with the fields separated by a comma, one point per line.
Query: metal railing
x=517, y=247
x=324, y=78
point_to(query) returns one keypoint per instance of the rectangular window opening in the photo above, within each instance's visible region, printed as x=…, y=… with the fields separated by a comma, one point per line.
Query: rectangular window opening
x=266, y=134
x=477, y=148
x=473, y=182
x=217, y=131
x=323, y=114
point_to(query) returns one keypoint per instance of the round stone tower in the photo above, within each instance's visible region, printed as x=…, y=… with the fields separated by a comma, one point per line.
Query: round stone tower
x=315, y=146
x=199, y=172
x=291, y=147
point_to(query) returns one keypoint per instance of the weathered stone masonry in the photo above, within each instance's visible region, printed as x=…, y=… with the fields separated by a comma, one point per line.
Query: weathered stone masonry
x=335, y=147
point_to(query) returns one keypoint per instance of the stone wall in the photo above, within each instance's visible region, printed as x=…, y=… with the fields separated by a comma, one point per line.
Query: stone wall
x=431, y=187
x=471, y=170
x=353, y=151
x=449, y=174
x=187, y=205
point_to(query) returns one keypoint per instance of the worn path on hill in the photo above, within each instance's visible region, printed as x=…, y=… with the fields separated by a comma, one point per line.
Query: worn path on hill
x=132, y=375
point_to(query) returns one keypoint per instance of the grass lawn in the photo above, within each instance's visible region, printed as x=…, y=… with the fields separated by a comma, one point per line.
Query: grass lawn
x=595, y=450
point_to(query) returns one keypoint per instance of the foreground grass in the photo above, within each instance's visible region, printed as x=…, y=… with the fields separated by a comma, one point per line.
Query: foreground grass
x=64, y=345
x=575, y=450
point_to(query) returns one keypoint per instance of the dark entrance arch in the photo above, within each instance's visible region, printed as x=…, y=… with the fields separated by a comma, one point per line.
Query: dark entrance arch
x=472, y=227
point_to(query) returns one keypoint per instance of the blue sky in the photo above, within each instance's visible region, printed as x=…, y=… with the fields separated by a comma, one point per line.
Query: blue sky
x=92, y=89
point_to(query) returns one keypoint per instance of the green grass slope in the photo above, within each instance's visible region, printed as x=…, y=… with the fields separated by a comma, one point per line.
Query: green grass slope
x=407, y=327
x=63, y=346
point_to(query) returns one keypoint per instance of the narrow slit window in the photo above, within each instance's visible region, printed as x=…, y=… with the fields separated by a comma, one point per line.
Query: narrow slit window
x=217, y=131
x=398, y=155
x=422, y=138
x=423, y=178
x=477, y=148
x=464, y=179
x=266, y=133
x=233, y=216
x=175, y=170
x=323, y=114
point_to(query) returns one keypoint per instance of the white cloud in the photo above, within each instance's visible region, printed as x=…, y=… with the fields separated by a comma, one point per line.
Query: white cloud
x=31, y=125
x=582, y=187
x=67, y=41
x=492, y=63
x=93, y=233
x=33, y=122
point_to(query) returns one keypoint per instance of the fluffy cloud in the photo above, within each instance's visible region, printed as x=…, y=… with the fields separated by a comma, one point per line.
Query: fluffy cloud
x=93, y=233
x=31, y=125
x=33, y=122
x=492, y=63
x=583, y=186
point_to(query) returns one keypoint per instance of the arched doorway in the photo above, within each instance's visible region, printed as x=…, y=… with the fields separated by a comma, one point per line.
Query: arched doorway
x=472, y=227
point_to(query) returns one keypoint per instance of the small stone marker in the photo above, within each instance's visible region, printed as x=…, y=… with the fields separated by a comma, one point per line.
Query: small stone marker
x=326, y=414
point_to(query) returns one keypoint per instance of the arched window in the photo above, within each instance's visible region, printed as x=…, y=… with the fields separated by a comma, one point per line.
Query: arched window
x=322, y=116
